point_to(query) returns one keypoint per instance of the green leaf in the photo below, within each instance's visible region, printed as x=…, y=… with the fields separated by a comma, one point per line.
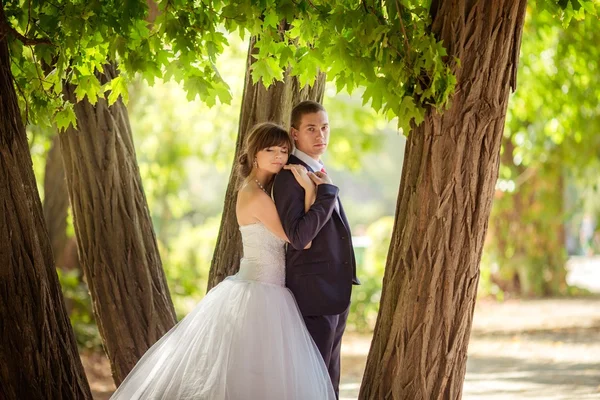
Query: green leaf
x=117, y=87
x=267, y=70
x=65, y=117
x=88, y=86
x=223, y=93
x=271, y=20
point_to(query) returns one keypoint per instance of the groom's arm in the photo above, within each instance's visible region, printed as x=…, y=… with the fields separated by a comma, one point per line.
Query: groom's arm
x=302, y=227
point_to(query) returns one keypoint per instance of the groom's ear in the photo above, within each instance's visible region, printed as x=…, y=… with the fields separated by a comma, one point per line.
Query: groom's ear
x=294, y=133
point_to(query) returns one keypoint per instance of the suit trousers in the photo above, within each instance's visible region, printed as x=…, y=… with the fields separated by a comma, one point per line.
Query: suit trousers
x=327, y=331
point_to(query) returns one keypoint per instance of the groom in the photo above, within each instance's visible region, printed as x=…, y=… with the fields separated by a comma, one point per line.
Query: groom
x=320, y=277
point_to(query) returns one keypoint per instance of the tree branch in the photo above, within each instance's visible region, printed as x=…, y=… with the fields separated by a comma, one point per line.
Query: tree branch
x=403, y=32
x=6, y=28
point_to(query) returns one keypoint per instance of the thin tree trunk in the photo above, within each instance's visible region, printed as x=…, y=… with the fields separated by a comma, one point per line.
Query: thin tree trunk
x=117, y=245
x=38, y=352
x=527, y=228
x=419, y=349
x=507, y=208
x=56, y=202
x=56, y=208
x=258, y=105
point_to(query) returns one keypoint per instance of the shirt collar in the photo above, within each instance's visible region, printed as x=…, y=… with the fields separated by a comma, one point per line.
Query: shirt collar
x=308, y=160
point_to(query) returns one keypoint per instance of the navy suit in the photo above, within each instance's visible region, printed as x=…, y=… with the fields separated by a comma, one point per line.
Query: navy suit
x=322, y=276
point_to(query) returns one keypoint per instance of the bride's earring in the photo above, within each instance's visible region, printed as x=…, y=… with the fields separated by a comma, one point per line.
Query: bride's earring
x=255, y=164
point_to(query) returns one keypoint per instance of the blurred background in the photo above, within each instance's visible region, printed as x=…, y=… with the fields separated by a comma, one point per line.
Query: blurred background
x=537, y=322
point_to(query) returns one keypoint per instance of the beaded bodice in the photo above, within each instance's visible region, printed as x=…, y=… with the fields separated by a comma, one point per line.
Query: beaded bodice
x=264, y=255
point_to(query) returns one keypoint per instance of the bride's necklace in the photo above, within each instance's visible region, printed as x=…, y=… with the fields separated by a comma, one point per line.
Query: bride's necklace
x=260, y=186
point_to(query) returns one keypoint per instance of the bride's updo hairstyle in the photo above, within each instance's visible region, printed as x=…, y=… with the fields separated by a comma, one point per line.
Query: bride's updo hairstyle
x=260, y=137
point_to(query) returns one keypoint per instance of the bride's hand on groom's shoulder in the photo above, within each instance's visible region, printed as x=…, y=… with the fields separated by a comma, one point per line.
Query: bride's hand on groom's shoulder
x=301, y=175
x=320, y=177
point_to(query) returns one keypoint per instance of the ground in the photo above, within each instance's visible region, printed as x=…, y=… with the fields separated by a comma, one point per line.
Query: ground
x=536, y=349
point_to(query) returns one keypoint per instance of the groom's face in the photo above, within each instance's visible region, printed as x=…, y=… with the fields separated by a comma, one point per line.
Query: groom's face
x=312, y=135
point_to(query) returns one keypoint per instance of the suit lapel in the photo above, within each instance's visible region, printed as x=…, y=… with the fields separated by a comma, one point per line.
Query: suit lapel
x=292, y=159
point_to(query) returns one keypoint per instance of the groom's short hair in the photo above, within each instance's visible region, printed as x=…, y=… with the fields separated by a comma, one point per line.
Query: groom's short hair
x=302, y=108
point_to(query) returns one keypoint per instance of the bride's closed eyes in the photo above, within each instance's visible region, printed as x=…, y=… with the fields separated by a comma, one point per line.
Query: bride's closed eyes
x=282, y=149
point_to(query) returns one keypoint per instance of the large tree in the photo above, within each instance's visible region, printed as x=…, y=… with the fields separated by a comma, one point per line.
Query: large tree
x=117, y=246
x=69, y=79
x=38, y=352
x=419, y=348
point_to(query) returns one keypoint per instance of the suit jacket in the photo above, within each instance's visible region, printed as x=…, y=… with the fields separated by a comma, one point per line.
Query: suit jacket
x=320, y=277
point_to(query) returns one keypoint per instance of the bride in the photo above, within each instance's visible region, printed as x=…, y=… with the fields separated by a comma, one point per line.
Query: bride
x=246, y=339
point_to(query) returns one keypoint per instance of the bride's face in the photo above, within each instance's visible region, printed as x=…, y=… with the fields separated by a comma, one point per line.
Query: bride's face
x=272, y=159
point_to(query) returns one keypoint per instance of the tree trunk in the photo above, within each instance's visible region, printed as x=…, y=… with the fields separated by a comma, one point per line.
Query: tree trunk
x=117, y=245
x=258, y=105
x=56, y=203
x=56, y=209
x=419, y=349
x=38, y=352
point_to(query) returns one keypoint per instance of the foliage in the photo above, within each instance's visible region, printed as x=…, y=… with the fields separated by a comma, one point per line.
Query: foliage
x=365, y=297
x=556, y=104
x=71, y=40
x=40, y=141
x=187, y=262
x=79, y=306
x=550, y=135
x=369, y=192
x=528, y=236
x=566, y=10
x=385, y=47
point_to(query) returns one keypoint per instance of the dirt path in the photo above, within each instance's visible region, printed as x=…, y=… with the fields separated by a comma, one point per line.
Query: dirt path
x=542, y=350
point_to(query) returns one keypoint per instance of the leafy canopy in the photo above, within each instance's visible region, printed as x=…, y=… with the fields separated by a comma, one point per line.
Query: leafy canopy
x=385, y=46
x=554, y=115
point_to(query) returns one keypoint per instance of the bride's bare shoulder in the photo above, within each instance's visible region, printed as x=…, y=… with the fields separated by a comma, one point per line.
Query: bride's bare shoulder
x=249, y=195
x=249, y=199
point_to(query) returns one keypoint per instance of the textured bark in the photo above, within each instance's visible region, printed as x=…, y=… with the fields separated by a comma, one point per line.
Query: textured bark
x=56, y=206
x=419, y=349
x=258, y=105
x=116, y=241
x=38, y=352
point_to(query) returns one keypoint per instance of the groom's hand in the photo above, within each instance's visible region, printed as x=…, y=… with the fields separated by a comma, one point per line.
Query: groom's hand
x=320, y=178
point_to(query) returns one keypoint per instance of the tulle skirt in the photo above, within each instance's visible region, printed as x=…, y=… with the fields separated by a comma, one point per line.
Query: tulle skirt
x=244, y=340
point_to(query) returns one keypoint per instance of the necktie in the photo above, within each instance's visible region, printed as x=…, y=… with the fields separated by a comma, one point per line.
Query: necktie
x=323, y=170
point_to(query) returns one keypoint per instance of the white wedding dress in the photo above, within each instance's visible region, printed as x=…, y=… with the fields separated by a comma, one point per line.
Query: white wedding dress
x=245, y=340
